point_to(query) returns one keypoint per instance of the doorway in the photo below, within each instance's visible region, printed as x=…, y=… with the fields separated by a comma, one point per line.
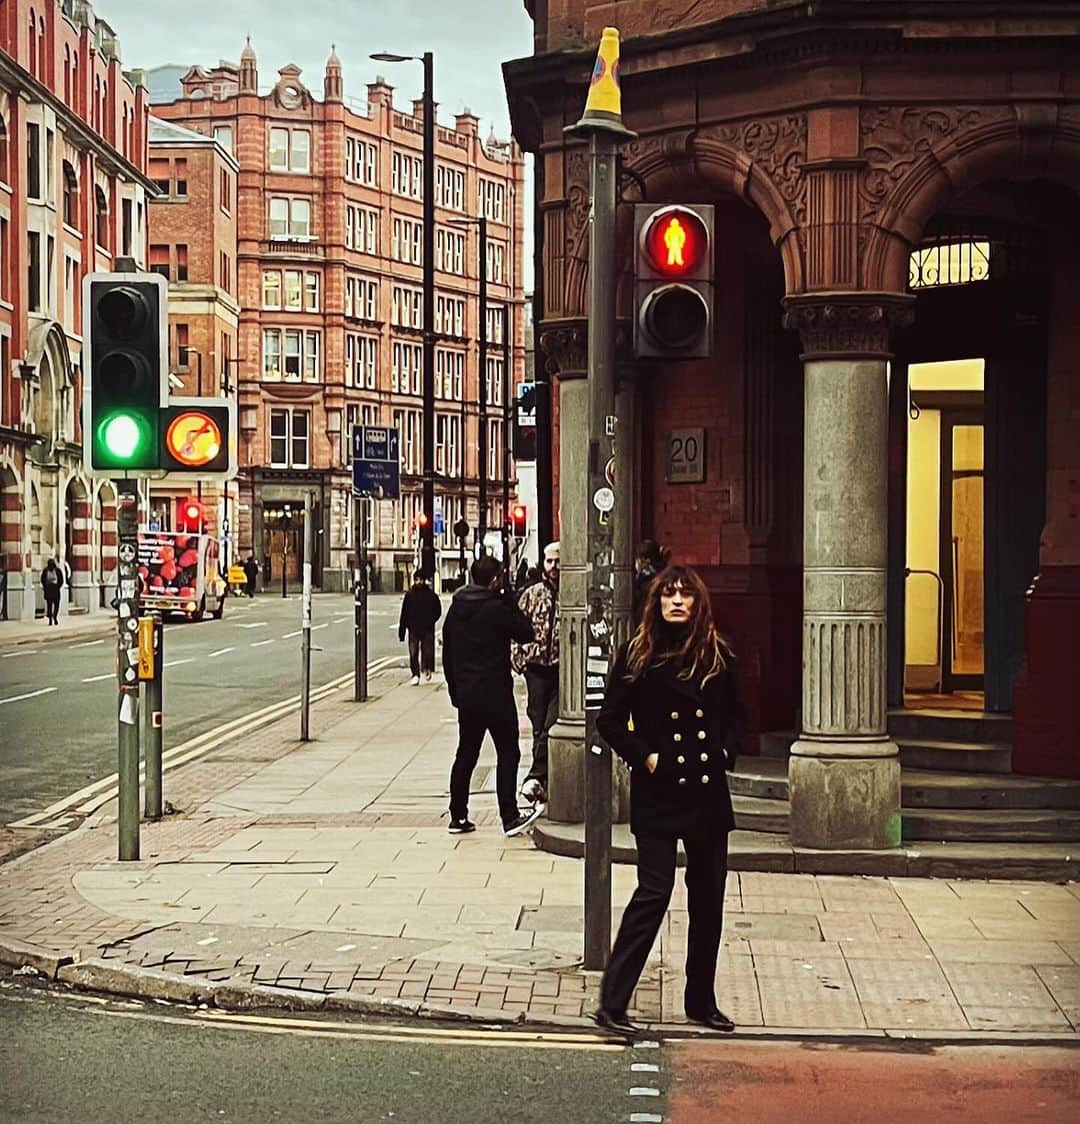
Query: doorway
x=945, y=523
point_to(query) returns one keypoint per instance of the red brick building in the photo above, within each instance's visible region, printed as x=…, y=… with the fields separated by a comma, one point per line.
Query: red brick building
x=193, y=245
x=73, y=191
x=328, y=282
x=888, y=518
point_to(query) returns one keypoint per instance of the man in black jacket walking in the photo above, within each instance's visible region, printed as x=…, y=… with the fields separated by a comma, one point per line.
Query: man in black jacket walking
x=420, y=610
x=476, y=658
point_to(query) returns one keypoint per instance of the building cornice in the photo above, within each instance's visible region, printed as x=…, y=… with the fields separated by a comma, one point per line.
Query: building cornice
x=109, y=158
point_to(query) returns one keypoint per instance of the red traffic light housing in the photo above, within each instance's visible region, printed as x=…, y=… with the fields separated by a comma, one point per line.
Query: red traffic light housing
x=673, y=290
x=191, y=516
x=519, y=519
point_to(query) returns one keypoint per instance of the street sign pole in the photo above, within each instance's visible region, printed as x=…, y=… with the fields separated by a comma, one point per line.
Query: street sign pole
x=305, y=623
x=151, y=657
x=360, y=596
x=602, y=124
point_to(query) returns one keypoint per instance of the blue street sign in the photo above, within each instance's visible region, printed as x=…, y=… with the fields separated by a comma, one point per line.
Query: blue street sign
x=440, y=526
x=375, y=455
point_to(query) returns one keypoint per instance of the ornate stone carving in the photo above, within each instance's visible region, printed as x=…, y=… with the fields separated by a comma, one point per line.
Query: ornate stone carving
x=895, y=138
x=861, y=324
x=777, y=146
x=566, y=346
x=843, y=675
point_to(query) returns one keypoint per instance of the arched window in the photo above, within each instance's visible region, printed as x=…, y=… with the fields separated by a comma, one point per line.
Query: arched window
x=42, y=74
x=101, y=213
x=33, y=56
x=67, y=76
x=4, y=175
x=71, y=196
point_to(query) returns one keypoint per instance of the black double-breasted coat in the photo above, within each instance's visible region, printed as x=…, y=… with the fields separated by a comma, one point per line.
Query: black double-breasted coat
x=695, y=732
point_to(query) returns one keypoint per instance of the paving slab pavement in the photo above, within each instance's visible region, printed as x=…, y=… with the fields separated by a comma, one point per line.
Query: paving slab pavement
x=322, y=873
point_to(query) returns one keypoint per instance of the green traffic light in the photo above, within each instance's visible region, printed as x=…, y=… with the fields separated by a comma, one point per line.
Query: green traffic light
x=123, y=436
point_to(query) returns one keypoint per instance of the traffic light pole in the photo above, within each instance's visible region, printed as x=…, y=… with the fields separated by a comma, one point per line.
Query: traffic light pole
x=481, y=390
x=427, y=531
x=127, y=669
x=152, y=708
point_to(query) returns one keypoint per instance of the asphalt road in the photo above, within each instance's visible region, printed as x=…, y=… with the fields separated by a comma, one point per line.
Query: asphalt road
x=71, y=1057
x=58, y=698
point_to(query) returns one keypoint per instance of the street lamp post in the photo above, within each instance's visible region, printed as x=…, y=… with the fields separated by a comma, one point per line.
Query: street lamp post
x=427, y=529
x=481, y=388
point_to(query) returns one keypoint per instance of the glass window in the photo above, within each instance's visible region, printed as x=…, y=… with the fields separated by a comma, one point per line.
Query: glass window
x=292, y=289
x=311, y=292
x=293, y=340
x=223, y=134
x=311, y=357
x=279, y=218
x=271, y=354
x=271, y=289
x=300, y=159
x=300, y=218
x=279, y=150
x=300, y=438
x=279, y=438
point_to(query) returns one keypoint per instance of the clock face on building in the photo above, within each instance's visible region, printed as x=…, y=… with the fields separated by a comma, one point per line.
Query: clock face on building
x=193, y=438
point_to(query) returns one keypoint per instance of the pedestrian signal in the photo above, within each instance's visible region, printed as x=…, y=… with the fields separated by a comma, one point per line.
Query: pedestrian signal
x=124, y=383
x=673, y=280
x=518, y=520
x=191, y=516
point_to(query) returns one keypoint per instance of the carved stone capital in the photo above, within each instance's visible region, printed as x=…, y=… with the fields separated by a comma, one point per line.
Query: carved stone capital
x=847, y=325
x=565, y=343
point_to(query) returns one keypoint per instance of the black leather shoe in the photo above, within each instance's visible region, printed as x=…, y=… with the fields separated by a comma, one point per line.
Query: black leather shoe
x=614, y=1020
x=714, y=1020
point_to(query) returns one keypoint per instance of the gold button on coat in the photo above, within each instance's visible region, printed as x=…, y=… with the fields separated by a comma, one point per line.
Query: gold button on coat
x=704, y=758
x=705, y=779
x=681, y=760
x=677, y=737
x=701, y=735
x=674, y=716
x=699, y=713
x=682, y=780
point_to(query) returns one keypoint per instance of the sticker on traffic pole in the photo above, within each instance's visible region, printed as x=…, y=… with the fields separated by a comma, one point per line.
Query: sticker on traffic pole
x=603, y=499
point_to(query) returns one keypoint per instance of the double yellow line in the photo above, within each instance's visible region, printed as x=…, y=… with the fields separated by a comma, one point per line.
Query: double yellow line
x=93, y=796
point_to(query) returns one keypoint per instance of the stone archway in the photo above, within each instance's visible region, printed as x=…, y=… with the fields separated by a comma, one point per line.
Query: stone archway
x=104, y=535
x=77, y=548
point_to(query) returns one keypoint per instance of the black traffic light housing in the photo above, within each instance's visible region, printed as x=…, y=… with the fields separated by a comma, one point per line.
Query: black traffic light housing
x=125, y=372
x=673, y=280
x=198, y=436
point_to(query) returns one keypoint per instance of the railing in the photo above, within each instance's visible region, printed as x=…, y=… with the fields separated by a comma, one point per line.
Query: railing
x=293, y=246
x=939, y=638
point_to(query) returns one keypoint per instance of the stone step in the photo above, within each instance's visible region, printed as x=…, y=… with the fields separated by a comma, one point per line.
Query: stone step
x=973, y=825
x=765, y=778
x=755, y=850
x=943, y=725
x=955, y=757
x=752, y=814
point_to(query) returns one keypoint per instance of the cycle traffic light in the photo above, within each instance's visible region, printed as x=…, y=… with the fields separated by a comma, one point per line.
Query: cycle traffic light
x=198, y=436
x=673, y=280
x=125, y=378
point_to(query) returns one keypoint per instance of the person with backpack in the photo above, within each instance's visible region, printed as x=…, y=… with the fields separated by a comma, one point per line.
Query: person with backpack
x=52, y=581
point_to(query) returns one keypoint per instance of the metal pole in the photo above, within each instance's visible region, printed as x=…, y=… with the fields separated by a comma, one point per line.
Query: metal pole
x=507, y=389
x=153, y=730
x=427, y=531
x=463, y=448
x=360, y=591
x=481, y=390
x=285, y=527
x=127, y=669
x=305, y=623
x=601, y=373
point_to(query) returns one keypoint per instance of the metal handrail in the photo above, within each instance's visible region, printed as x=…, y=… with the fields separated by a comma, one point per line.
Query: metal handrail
x=940, y=611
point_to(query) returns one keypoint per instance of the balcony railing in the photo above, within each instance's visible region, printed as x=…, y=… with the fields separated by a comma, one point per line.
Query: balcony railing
x=293, y=246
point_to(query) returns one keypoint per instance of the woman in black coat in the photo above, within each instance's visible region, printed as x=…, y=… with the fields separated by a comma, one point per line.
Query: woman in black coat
x=673, y=713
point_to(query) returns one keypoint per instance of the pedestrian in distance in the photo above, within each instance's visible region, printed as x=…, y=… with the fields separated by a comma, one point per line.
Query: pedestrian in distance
x=251, y=574
x=52, y=581
x=420, y=610
x=538, y=661
x=673, y=713
x=650, y=559
x=479, y=626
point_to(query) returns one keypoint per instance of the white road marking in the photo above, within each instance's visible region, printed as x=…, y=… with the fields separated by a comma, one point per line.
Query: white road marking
x=260, y=643
x=644, y=1091
x=12, y=655
x=28, y=695
x=644, y=1067
x=98, y=678
x=87, y=644
x=255, y=624
x=92, y=796
x=290, y=635
x=220, y=652
x=646, y=1118
x=176, y=663
x=341, y=620
x=316, y=627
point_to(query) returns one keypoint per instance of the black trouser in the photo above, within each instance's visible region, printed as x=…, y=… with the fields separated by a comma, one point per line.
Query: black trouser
x=251, y=587
x=421, y=652
x=502, y=722
x=706, y=874
x=52, y=606
x=542, y=684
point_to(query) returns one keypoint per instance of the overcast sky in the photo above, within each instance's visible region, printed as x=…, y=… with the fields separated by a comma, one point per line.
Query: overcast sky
x=469, y=38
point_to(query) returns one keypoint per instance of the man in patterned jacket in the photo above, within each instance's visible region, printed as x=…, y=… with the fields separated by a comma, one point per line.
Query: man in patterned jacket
x=539, y=661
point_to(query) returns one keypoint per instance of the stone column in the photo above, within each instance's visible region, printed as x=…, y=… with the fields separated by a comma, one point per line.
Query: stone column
x=844, y=772
x=564, y=344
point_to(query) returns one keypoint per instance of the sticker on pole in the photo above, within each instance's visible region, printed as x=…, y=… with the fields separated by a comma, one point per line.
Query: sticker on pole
x=603, y=499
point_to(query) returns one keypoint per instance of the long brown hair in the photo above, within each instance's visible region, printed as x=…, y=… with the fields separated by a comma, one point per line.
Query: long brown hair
x=702, y=655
